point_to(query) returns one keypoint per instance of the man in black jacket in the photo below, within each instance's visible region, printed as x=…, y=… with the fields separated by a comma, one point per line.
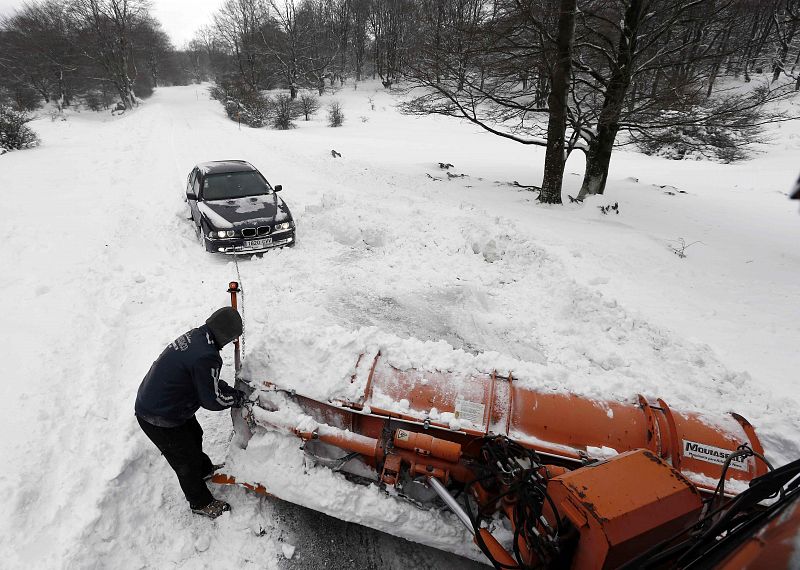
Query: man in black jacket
x=184, y=378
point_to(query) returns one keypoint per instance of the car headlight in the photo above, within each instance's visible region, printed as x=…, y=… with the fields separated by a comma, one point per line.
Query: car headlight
x=229, y=233
x=221, y=233
x=283, y=226
x=212, y=234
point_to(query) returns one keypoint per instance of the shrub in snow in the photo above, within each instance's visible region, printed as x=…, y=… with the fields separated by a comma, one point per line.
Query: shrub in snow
x=26, y=99
x=258, y=109
x=610, y=208
x=218, y=92
x=717, y=128
x=335, y=114
x=284, y=111
x=309, y=104
x=92, y=100
x=696, y=142
x=14, y=133
x=243, y=104
x=97, y=100
x=144, y=87
x=679, y=246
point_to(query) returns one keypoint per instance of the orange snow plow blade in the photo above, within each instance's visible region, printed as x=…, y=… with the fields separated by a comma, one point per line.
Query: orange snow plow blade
x=561, y=425
x=580, y=483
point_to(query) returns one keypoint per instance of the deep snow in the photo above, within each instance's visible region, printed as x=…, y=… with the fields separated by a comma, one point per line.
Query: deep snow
x=101, y=270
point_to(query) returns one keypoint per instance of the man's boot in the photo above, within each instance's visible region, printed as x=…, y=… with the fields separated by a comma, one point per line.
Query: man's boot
x=213, y=509
x=214, y=468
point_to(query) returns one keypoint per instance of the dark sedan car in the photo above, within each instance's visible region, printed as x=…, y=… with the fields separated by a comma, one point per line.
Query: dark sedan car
x=236, y=210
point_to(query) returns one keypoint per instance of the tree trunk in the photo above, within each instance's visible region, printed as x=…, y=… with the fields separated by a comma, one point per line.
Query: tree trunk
x=785, y=40
x=62, y=95
x=598, y=157
x=598, y=160
x=796, y=61
x=557, y=102
x=718, y=62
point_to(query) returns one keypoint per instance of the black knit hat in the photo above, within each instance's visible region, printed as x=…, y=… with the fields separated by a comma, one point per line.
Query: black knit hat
x=225, y=324
x=795, y=195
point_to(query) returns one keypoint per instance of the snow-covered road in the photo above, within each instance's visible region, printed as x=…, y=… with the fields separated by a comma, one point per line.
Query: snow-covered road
x=100, y=270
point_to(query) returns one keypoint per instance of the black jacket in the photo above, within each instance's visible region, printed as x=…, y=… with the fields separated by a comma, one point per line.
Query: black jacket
x=183, y=378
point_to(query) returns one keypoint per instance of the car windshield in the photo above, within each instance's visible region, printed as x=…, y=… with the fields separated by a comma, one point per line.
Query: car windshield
x=234, y=185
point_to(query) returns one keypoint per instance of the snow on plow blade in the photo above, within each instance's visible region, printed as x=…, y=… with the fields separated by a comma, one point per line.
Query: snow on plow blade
x=625, y=475
x=537, y=478
x=567, y=428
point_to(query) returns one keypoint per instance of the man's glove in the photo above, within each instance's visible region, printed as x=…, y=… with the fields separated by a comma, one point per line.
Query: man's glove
x=239, y=399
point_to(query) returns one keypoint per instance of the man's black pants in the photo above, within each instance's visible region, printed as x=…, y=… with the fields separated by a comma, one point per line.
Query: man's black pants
x=182, y=446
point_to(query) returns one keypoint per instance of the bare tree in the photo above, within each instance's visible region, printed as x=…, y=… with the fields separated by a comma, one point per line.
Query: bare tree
x=360, y=14
x=38, y=51
x=787, y=21
x=555, y=156
x=645, y=66
x=309, y=104
x=281, y=40
x=240, y=26
x=388, y=21
x=155, y=47
x=319, y=48
x=107, y=26
x=477, y=64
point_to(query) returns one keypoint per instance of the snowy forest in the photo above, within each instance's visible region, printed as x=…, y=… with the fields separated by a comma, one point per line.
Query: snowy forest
x=566, y=75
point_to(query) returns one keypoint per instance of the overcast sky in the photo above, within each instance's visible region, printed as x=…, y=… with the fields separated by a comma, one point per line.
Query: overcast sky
x=180, y=18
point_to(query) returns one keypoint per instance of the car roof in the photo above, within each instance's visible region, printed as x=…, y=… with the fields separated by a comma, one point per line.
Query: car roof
x=222, y=166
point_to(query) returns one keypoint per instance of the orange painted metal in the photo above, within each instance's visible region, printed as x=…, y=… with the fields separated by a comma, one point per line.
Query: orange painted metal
x=615, y=514
x=391, y=469
x=623, y=506
x=424, y=444
x=776, y=545
x=496, y=549
x=358, y=443
x=352, y=441
x=761, y=467
x=222, y=479
x=559, y=424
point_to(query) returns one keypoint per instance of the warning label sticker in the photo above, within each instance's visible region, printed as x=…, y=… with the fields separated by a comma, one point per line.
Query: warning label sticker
x=402, y=435
x=470, y=411
x=712, y=454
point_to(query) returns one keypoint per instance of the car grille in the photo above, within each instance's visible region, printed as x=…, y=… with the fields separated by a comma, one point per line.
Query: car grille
x=259, y=231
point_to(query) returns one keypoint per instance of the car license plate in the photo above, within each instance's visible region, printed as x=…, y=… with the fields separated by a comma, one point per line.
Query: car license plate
x=258, y=242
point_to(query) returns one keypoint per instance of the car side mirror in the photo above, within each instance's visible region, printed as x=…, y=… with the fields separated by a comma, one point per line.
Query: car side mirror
x=278, y=187
x=191, y=196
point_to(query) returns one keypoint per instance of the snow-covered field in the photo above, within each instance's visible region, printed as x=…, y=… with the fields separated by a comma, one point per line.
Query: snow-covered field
x=100, y=271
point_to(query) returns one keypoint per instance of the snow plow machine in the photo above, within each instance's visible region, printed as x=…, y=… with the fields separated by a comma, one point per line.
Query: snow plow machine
x=573, y=483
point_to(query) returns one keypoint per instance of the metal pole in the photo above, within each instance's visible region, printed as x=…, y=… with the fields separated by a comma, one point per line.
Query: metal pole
x=233, y=289
x=496, y=552
x=451, y=503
